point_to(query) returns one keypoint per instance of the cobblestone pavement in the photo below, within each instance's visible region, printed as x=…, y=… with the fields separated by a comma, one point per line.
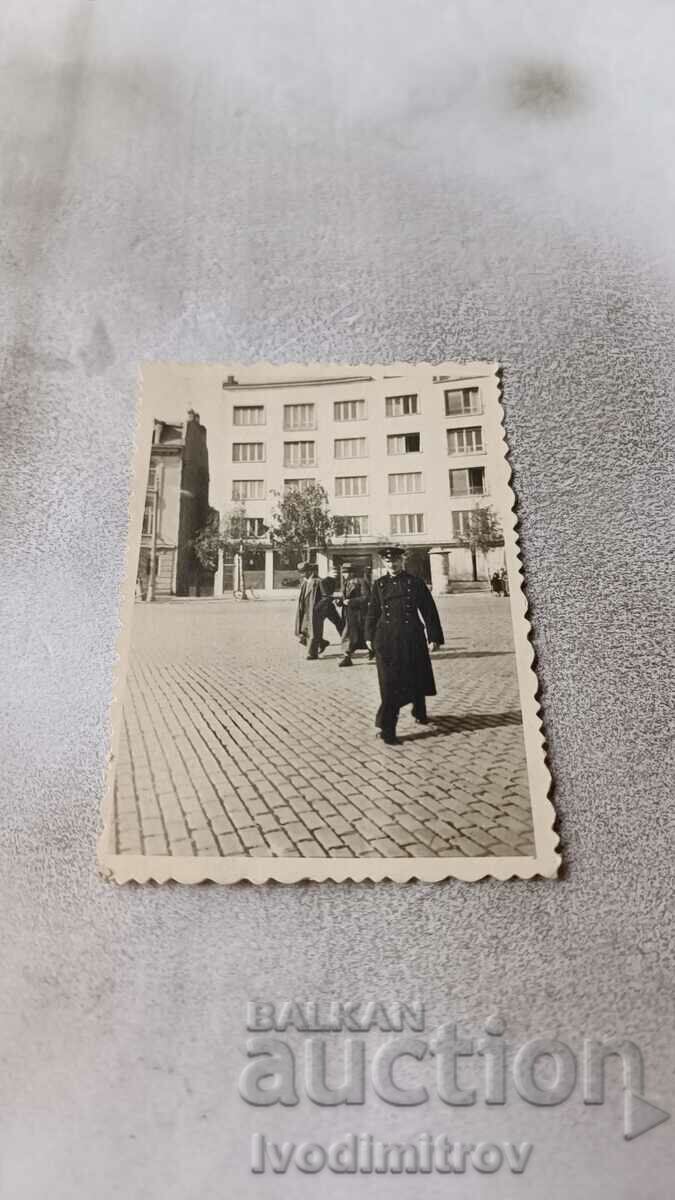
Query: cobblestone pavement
x=233, y=743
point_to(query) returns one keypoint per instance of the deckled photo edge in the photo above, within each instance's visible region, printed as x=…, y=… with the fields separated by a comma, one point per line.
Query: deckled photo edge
x=541, y=782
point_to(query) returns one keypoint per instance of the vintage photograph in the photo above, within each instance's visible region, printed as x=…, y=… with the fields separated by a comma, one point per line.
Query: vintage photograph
x=325, y=670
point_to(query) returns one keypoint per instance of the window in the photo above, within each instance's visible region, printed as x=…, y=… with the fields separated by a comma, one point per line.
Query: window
x=286, y=574
x=463, y=403
x=153, y=478
x=299, y=454
x=248, y=451
x=405, y=482
x=253, y=527
x=349, y=410
x=401, y=406
x=351, y=485
x=248, y=414
x=467, y=482
x=461, y=524
x=148, y=518
x=248, y=489
x=465, y=441
x=350, y=448
x=297, y=485
x=407, y=523
x=299, y=416
x=350, y=526
x=403, y=443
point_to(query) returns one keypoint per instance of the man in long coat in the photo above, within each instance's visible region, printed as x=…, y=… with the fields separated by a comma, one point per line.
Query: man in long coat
x=356, y=594
x=323, y=610
x=307, y=596
x=399, y=603
x=315, y=605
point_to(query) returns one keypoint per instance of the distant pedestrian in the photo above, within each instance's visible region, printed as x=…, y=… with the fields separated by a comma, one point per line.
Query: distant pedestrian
x=395, y=632
x=356, y=596
x=505, y=581
x=496, y=583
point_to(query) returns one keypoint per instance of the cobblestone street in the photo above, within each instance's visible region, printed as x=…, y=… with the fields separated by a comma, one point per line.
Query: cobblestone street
x=233, y=743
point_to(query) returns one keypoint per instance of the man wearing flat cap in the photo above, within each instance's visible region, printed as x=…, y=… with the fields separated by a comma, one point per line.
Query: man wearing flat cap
x=356, y=595
x=402, y=618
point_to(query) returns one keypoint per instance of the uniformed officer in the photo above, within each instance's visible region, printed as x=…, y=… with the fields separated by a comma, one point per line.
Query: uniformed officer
x=396, y=633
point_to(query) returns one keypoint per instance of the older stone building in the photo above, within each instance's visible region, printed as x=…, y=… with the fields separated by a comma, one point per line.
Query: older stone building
x=176, y=508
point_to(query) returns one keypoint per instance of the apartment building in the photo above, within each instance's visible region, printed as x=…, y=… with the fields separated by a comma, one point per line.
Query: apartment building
x=400, y=463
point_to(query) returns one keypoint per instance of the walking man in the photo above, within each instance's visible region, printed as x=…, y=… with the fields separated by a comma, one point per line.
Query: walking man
x=323, y=610
x=399, y=603
x=356, y=595
x=309, y=590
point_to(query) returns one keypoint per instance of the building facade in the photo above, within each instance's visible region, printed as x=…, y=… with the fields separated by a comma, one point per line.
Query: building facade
x=176, y=508
x=400, y=464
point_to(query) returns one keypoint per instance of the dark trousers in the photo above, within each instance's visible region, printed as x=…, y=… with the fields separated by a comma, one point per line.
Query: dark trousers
x=353, y=630
x=387, y=714
x=325, y=611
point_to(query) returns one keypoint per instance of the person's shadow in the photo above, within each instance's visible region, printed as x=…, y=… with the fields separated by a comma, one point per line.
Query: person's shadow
x=363, y=661
x=438, y=654
x=445, y=725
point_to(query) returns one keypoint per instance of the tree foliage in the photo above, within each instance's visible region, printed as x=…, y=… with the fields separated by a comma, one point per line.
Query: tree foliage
x=484, y=530
x=233, y=527
x=302, y=518
x=228, y=532
x=206, y=542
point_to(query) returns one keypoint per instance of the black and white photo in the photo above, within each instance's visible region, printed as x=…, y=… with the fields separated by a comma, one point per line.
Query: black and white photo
x=325, y=668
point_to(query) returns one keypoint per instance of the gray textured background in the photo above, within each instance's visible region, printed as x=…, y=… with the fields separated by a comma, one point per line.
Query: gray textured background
x=403, y=179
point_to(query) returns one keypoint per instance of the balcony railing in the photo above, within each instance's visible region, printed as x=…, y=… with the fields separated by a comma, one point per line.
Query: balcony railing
x=473, y=490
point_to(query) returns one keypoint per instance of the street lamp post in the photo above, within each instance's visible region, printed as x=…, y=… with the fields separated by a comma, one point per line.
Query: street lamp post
x=242, y=578
x=150, y=596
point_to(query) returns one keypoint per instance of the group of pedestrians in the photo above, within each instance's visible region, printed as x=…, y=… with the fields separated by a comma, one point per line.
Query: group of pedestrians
x=499, y=582
x=393, y=621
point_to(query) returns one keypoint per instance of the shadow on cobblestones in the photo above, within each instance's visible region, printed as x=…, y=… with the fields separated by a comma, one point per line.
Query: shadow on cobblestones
x=470, y=654
x=452, y=724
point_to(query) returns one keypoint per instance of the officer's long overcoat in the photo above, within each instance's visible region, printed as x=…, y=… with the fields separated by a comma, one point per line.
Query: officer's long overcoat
x=394, y=627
